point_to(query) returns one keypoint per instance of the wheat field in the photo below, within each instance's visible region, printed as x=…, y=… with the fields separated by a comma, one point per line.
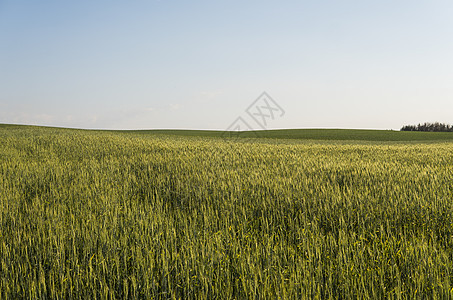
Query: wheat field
x=107, y=215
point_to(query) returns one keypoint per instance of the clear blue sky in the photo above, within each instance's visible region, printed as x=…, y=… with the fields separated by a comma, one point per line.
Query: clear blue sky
x=200, y=64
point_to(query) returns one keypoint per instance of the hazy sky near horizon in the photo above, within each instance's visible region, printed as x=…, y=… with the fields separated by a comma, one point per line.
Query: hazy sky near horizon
x=200, y=64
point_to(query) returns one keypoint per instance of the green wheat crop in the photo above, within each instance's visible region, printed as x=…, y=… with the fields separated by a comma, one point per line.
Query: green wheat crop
x=99, y=215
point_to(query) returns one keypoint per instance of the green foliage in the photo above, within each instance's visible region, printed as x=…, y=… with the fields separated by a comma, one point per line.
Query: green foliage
x=87, y=214
x=430, y=127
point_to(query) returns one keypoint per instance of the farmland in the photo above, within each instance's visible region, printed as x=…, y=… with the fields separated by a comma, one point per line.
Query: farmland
x=178, y=214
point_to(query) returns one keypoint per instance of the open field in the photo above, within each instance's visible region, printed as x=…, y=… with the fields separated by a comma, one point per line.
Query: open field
x=290, y=134
x=317, y=134
x=114, y=215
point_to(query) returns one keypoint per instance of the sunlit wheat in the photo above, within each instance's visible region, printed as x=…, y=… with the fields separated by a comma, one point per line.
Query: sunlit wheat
x=113, y=215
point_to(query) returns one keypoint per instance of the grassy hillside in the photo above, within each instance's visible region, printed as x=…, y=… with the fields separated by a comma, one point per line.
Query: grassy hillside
x=301, y=134
x=317, y=134
x=93, y=214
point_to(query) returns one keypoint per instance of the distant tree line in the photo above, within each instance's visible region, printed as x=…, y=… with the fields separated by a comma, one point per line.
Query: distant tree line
x=432, y=127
